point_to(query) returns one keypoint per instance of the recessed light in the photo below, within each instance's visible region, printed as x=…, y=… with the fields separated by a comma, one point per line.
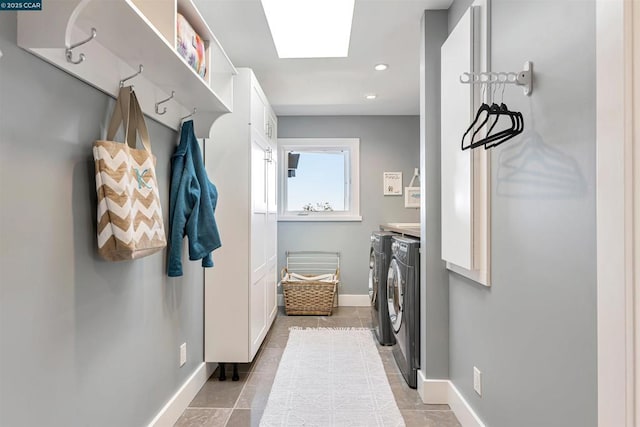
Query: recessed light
x=372, y=96
x=380, y=67
x=310, y=28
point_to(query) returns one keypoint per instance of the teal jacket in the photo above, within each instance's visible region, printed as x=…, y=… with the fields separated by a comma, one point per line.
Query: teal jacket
x=192, y=205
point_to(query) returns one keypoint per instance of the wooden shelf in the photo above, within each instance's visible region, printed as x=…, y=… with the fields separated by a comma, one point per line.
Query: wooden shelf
x=125, y=39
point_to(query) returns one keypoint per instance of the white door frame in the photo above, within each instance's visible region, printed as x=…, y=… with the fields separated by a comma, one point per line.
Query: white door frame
x=617, y=24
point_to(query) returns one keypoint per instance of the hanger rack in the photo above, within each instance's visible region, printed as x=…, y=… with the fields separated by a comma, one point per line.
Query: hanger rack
x=523, y=78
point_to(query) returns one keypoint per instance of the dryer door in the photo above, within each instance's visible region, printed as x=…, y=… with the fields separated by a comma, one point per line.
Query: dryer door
x=395, y=294
x=373, y=278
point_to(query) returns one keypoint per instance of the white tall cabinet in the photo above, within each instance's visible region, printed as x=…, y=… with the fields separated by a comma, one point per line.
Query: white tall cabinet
x=240, y=290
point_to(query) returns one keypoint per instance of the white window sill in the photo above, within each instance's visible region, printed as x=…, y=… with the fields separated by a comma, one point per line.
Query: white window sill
x=318, y=218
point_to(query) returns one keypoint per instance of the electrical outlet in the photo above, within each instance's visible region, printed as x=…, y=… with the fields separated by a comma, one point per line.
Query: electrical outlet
x=183, y=354
x=477, y=380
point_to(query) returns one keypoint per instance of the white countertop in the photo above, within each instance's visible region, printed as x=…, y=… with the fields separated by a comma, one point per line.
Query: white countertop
x=408, y=229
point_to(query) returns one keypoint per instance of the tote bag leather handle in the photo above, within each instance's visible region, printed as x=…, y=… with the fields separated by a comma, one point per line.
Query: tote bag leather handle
x=137, y=118
x=127, y=112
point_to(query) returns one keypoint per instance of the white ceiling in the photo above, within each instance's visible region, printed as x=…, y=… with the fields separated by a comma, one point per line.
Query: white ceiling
x=384, y=31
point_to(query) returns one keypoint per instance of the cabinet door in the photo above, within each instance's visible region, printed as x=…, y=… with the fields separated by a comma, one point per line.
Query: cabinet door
x=258, y=106
x=259, y=231
x=271, y=125
x=271, y=289
x=272, y=180
x=272, y=209
x=257, y=314
x=259, y=159
x=457, y=108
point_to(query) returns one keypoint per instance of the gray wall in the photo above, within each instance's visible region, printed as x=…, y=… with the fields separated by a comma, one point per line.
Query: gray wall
x=533, y=333
x=434, y=279
x=82, y=341
x=387, y=143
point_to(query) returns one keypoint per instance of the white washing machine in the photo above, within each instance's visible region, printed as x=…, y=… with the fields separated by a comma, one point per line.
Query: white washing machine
x=379, y=258
x=403, y=302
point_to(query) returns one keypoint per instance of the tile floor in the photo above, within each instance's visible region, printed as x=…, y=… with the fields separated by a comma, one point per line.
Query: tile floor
x=241, y=403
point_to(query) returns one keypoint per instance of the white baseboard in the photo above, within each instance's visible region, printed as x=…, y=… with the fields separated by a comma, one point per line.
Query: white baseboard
x=434, y=392
x=441, y=392
x=464, y=412
x=174, y=408
x=345, y=300
x=354, y=300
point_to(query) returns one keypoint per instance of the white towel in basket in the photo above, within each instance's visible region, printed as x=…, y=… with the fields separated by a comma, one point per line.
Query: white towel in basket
x=292, y=277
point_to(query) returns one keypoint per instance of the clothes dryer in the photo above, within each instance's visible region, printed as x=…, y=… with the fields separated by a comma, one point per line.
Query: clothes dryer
x=403, y=301
x=379, y=258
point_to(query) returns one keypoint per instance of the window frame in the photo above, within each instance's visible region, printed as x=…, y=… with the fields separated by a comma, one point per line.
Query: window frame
x=352, y=190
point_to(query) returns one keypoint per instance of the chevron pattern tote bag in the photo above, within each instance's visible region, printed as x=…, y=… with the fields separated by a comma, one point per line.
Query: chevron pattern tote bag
x=130, y=223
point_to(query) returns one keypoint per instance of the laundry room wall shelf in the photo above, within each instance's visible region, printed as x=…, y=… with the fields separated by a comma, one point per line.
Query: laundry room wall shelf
x=130, y=33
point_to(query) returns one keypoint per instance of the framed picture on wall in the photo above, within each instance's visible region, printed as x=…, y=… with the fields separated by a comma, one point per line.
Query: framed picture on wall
x=412, y=197
x=392, y=182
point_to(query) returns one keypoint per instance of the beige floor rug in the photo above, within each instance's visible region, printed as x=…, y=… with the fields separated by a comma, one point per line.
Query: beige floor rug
x=331, y=377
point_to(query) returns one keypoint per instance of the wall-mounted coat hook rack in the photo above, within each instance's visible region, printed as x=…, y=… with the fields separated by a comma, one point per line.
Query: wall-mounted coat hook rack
x=164, y=110
x=69, y=51
x=523, y=78
x=122, y=82
x=193, y=113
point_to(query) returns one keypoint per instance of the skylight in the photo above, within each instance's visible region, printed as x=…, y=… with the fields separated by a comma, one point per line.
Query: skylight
x=310, y=28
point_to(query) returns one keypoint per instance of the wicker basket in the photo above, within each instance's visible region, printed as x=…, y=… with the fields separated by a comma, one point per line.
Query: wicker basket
x=308, y=297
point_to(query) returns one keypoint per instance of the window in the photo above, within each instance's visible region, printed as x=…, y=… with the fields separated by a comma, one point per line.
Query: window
x=319, y=179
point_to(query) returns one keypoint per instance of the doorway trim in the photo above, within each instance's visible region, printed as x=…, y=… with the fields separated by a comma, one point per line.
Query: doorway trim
x=617, y=212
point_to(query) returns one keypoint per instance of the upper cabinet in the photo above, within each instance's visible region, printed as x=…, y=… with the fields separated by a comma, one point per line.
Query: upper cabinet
x=263, y=119
x=466, y=174
x=130, y=34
